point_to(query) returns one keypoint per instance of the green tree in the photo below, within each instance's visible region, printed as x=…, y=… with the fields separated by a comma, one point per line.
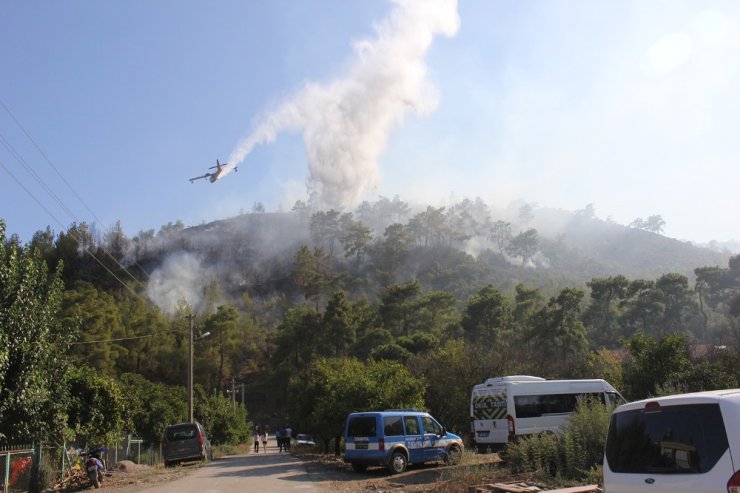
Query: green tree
x=526, y=303
x=679, y=306
x=399, y=208
x=486, y=316
x=398, y=307
x=450, y=372
x=392, y=351
x=396, y=246
x=654, y=363
x=524, y=245
x=500, y=234
x=655, y=224
x=299, y=336
x=226, y=341
x=96, y=313
x=642, y=308
x=147, y=327
x=558, y=337
x=435, y=311
x=226, y=422
x=706, y=288
x=32, y=346
x=355, y=239
x=602, y=315
x=429, y=227
x=338, y=324
x=325, y=229
x=152, y=406
x=526, y=213
x=333, y=388
x=96, y=411
x=116, y=243
x=307, y=273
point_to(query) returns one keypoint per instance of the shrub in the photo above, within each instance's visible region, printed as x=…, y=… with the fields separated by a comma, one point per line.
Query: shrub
x=571, y=454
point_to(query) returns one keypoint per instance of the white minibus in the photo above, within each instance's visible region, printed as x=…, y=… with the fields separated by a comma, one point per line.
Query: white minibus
x=503, y=408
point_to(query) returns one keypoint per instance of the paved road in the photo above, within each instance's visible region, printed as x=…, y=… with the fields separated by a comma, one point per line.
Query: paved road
x=270, y=472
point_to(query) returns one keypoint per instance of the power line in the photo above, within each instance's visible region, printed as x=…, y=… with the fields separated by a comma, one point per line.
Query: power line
x=59, y=201
x=112, y=340
x=38, y=148
x=73, y=236
x=61, y=204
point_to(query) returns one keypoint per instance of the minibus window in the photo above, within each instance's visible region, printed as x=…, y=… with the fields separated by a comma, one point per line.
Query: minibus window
x=534, y=406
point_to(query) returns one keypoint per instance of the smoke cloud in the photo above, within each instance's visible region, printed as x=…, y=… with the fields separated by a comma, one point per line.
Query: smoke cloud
x=345, y=122
x=180, y=277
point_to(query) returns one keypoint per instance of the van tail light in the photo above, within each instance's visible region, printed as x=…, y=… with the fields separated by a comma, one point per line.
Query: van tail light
x=652, y=407
x=512, y=427
x=200, y=439
x=733, y=485
x=381, y=444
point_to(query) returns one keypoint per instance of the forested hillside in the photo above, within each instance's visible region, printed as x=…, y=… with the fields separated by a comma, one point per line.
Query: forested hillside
x=319, y=312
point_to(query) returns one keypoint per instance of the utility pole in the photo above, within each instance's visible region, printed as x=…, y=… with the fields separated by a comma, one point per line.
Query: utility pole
x=190, y=318
x=242, y=395
x=233, y=394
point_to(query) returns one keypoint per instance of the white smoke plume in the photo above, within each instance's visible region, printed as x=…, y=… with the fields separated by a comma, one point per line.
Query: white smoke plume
x=180, y=277
x=345, y=122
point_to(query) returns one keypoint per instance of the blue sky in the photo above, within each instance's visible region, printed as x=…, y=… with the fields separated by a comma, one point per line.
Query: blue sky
x=631, y=106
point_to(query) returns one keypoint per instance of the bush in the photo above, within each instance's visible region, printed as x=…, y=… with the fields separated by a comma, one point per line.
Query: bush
x=572, y=454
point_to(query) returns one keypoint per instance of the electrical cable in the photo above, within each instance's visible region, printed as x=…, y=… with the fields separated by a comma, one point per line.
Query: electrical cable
x=51, y=193
x=79, y=243
x=59, y=174
x=112, y=340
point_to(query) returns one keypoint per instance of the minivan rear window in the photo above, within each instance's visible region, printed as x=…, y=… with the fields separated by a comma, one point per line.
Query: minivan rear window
x=183, y=432
x=681, y=439
x=362, y=426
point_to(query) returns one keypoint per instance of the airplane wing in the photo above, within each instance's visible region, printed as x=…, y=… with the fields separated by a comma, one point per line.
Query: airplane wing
x=199, y=177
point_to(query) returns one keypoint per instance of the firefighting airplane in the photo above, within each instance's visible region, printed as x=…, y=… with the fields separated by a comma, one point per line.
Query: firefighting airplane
x=212, y=176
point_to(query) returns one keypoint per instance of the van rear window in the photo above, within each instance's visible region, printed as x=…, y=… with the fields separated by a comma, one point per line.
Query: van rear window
x=668, y=440
x=184, y=432
x=362, y=426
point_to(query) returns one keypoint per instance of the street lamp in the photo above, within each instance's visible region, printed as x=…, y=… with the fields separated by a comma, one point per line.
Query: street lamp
x=191, y=317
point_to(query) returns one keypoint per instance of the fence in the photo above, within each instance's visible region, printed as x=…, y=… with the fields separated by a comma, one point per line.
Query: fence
x=20, y=464
x=16, y=467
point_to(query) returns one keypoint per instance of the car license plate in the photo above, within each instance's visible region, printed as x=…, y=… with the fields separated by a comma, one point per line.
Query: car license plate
x=361, y=445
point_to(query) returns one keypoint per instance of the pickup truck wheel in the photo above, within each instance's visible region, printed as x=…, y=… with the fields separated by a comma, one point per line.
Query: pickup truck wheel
x=397, y=463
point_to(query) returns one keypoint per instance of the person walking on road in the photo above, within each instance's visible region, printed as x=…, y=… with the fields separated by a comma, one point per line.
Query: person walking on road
x=264, y=439
x=256, y=438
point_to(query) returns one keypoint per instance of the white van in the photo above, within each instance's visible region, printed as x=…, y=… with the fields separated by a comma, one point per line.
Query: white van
x=503, y=408
x=687, y=442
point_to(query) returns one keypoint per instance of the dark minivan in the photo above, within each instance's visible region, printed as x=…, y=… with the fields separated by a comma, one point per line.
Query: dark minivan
x=185, y=442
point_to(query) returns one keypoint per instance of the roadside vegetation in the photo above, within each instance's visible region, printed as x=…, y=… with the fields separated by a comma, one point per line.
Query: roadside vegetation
x=573, y=454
